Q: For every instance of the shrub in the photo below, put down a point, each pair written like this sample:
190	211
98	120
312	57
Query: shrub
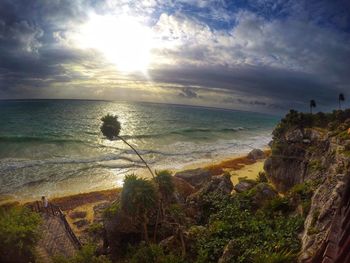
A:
96	229
165	184
279	204
262	177
150	254
111	211
276	257
304	191
84	255
19	233
316	166
253	232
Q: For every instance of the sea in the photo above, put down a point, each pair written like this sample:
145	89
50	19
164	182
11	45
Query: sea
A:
55	147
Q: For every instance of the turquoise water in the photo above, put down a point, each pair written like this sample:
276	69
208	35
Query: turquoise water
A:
54	147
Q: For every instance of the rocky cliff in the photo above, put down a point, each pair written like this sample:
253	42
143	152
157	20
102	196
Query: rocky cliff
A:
313	150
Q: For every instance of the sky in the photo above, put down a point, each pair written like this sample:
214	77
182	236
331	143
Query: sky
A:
255	55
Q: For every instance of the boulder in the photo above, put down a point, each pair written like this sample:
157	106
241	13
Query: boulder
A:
195	177
263	192
220	184
182	189
244	185
295	135
256	154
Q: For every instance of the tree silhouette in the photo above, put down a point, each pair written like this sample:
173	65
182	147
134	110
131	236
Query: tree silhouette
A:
111	128
312	105
138	197
340	99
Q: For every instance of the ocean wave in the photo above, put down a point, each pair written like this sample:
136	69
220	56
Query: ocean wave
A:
18	139
184	132
7	165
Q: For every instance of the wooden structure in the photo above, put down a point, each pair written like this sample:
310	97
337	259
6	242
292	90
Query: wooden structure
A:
54	211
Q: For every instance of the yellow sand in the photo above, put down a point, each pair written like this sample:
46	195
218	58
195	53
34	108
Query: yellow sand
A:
249	171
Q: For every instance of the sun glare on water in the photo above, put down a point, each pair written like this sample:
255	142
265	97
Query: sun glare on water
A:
123	41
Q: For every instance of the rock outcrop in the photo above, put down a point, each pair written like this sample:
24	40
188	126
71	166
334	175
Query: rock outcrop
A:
256	154
195	177
317	156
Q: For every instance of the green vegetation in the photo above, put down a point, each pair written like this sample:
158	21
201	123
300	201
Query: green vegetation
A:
316	166
262	177
333	121
165	184
111	211
252	232
276	257
86	255
19	233
138	198
150	254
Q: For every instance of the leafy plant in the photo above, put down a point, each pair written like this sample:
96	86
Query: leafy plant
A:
253	232
150	254
19	233
85	255
138	197
111	211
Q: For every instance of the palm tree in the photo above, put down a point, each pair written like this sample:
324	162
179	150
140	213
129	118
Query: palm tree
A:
111	128
340	99
138	197
166	190
312	105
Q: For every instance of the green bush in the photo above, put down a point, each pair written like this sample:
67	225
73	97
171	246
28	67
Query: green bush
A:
276	257
253	232
151	254
304	191
277	204
262	177
84	255
316	166
111	211
19	233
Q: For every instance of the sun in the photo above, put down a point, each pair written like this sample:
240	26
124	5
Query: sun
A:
123	40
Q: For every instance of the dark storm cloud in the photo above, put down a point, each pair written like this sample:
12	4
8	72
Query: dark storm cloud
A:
262	53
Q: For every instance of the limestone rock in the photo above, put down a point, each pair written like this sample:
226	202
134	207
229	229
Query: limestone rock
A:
182	189
195	177
263	192
256	154
244	185
294	135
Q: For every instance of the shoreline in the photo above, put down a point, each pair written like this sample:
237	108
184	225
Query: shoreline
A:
238	166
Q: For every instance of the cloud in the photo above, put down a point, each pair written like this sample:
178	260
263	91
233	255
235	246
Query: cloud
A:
260	54
188	93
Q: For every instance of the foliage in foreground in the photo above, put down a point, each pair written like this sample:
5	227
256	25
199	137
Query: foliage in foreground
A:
251	233
85	255
19	232
150	254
